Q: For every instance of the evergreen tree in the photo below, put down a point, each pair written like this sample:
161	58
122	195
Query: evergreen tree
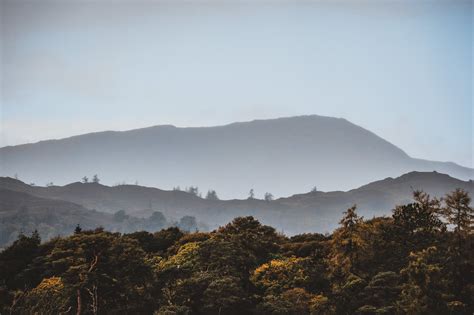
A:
268	196
194	190
423	291
78	229
347	243
458	212
251	194
212	195
95	179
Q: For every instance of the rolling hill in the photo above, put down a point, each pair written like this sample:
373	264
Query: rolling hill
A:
282	156
23	213
315	211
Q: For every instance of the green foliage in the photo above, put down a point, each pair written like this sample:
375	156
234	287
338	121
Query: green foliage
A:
16	258
314	246
49	297
347	244
260	240
281	274
423	291
164	239
225	295
414	218
409	263
458	211
381	294
294	301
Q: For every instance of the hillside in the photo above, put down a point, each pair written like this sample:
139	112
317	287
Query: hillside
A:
316	211
24	213
245	267
283	156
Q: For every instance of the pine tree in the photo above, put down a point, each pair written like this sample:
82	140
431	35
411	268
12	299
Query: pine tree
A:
78	229
458	212
423	291
212	195
268	196
95	179
251	194
346	244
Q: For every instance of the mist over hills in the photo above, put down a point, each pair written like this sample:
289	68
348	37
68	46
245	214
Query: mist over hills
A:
283	156
309	212
23	210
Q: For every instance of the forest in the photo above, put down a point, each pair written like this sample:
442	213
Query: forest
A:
419	260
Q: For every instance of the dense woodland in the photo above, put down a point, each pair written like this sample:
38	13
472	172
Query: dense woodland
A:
417	261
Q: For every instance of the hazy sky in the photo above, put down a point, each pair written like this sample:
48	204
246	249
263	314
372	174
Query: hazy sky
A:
402	69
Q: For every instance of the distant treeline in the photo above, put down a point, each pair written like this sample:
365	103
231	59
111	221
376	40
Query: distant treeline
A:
49	224
418	261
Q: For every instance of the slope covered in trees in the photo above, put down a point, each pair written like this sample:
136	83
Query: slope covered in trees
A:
417	261
21	212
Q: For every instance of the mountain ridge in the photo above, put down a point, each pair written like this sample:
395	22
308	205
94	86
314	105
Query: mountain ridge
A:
283	156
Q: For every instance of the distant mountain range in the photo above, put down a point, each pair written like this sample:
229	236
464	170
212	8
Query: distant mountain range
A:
282	156
310	212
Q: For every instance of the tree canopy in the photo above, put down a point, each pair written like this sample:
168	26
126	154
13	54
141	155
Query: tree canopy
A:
417	261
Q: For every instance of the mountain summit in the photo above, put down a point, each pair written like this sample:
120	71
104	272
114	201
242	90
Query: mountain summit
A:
282	156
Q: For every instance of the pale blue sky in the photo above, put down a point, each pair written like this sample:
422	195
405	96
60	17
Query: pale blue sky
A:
402	69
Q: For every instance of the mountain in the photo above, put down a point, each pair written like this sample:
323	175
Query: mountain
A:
283	156
310	212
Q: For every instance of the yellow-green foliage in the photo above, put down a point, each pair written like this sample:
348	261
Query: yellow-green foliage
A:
49	285
409	263
48	297
185	258
281	274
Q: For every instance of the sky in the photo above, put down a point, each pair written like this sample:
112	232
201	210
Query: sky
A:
402	69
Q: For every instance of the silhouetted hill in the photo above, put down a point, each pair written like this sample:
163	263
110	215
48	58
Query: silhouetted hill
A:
283	156
309	212
132	198
22	212
379	198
